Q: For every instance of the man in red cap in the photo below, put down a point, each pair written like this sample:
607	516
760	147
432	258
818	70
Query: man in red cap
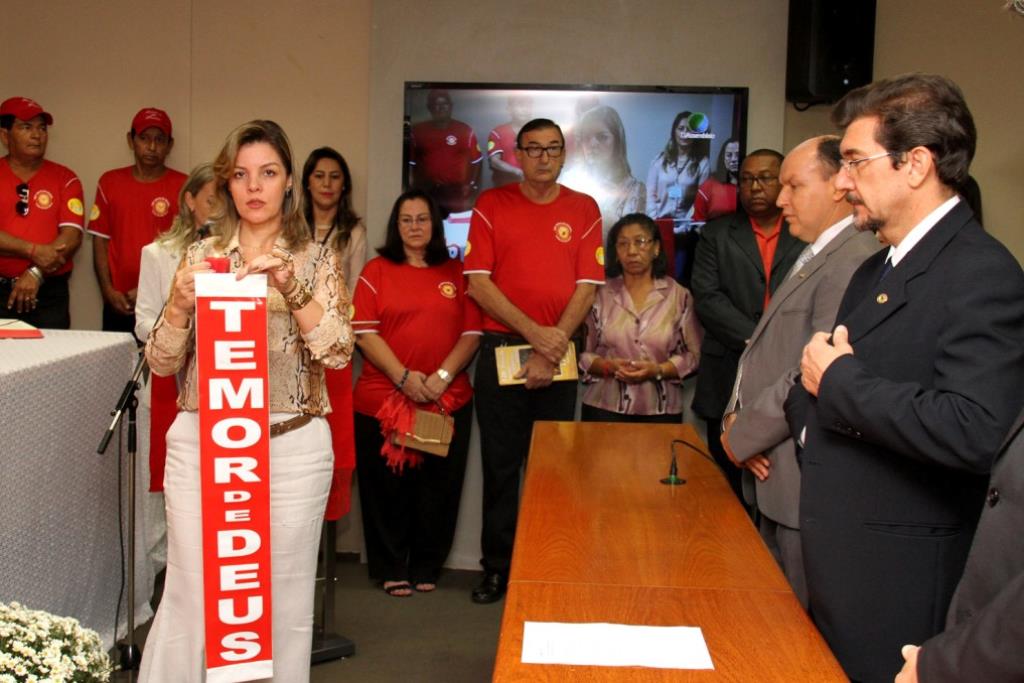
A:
133	205
446	158
41	220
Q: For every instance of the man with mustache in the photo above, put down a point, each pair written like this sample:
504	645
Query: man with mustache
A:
133	205
903	407
40	220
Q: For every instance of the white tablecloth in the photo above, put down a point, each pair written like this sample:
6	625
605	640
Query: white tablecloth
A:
59	548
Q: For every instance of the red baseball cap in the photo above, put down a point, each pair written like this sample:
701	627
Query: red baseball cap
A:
25	109
151	117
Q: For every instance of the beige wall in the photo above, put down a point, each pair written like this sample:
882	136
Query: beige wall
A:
211	65
332	73
981	47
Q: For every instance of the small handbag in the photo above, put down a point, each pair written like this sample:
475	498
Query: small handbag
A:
431	433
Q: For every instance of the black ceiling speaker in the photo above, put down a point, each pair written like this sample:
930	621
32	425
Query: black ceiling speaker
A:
831	49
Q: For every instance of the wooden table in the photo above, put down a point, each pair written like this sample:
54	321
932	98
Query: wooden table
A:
599	539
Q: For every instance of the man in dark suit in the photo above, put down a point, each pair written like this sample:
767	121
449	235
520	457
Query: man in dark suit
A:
907	402
984	627
740	261
756	435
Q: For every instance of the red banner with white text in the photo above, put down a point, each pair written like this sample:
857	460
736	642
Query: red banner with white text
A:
234	454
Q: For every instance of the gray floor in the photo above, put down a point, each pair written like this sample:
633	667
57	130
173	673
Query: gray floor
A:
439	636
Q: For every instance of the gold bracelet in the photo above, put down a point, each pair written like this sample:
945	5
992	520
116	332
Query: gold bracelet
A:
298	297
291	290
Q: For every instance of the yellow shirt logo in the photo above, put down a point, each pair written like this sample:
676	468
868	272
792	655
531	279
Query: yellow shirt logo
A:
75	206
94	213
466	253
160	207
44	200
563	232
448	289
599	256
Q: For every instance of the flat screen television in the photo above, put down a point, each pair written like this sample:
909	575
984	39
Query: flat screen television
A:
633	148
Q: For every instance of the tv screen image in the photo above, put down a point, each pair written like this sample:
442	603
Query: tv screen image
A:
671	152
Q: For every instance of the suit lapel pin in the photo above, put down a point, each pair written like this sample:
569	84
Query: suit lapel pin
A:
882	298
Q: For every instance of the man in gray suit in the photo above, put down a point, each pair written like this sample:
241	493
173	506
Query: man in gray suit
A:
757	436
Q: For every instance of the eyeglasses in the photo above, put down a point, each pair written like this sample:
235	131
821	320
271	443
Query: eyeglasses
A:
765	179
535	151
406	221
851	166
22	206
639	243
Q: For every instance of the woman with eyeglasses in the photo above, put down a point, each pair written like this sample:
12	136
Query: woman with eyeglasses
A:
258	228
604	171
335	226
643	337
417	331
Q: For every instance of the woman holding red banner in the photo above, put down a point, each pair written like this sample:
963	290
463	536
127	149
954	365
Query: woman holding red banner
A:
327	195
259	228
418	331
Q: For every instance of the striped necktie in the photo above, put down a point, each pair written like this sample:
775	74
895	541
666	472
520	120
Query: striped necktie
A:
806	255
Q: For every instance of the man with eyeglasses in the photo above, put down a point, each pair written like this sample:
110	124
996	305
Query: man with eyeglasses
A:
446	159
756	435
133	205
41	220
534	260
741	259
903	405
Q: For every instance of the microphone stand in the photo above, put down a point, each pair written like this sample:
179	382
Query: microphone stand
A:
128	403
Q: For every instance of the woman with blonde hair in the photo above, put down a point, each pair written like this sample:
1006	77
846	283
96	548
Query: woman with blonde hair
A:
160	260
604	171
161	257
259	228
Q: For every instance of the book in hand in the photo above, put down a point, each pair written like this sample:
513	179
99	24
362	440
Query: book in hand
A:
510	360
11	328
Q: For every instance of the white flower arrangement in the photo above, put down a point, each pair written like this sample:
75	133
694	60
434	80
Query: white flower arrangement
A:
38	647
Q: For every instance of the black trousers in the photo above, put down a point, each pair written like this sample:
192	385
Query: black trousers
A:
113	321
52	309
409	518
506	416
594	414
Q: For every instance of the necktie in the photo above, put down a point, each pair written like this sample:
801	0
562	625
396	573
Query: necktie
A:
806	255
885	269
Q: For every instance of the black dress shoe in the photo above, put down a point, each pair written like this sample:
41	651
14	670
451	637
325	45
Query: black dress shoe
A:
491	589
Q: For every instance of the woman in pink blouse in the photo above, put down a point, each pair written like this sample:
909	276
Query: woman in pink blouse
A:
643	337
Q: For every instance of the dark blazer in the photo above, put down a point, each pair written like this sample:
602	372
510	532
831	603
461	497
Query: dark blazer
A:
985	625
728	292
901	438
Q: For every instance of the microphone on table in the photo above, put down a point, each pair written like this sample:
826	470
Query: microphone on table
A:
673	478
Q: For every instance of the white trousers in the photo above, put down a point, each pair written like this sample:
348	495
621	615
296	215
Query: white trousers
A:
301	462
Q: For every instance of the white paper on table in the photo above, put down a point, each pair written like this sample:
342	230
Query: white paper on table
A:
662	647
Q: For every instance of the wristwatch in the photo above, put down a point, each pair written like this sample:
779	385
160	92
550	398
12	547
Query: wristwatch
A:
445	375
660	376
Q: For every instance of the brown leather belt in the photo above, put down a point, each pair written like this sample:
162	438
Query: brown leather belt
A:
279	428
